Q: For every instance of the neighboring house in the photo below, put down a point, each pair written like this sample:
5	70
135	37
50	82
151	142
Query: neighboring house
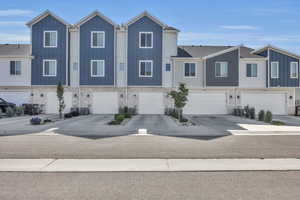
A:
15	76
105	66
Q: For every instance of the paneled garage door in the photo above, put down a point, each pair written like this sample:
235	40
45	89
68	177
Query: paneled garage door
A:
105	103
17	98
52	102
206	103
275	102
151	103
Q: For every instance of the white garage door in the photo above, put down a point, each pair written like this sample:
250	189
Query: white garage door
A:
105	103
206	103
151	103
52	102
17	98
275	102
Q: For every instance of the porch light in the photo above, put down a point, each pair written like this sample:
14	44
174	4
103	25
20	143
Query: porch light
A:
291	97
42	95
88	95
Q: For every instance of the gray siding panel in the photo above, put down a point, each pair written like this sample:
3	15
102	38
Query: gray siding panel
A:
87	53
40	53
232	58
284	79
135	53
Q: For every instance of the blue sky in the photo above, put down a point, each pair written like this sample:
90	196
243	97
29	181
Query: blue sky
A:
215	22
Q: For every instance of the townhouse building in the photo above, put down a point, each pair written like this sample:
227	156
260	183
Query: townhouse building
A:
105	66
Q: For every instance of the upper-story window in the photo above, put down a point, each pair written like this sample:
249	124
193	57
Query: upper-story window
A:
146	40
98	39
190	69
274	69
294	69
146	68
168	67
49	67
221	69
97	68
50	39
251	70
15	67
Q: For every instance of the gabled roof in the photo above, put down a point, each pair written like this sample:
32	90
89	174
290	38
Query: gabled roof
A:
200	51
93	14
146	14
15	50
245	52
45	14
222	52
276	49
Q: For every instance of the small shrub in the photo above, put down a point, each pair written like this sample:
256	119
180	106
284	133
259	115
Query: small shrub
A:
35	121
252	113
268	117
10	112
247	111
126	115
119	117
125	110
132	111
261	115
184	120
19	111
114	122
68	115
235	112
277	123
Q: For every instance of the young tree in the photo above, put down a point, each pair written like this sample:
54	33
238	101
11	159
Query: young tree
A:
180	98
60	97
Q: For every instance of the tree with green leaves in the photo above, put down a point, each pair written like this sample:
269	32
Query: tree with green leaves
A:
60	97
180	98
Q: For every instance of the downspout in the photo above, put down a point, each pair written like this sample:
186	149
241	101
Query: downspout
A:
126	65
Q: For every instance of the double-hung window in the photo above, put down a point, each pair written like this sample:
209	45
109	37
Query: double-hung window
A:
221	69
15	67
251	70
190	69
98	39
146	68
97	68
274	69
146	40
294	70
50	39
49	67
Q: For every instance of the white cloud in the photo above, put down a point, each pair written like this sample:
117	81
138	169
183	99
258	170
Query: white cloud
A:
269	11
15	12
12	23
14	38
239	27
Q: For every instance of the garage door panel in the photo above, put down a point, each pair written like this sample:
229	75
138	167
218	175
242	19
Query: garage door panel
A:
151	103
52	102
105	103
275	102
206	103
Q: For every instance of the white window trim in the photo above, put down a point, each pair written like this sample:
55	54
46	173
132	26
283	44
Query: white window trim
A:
251	70
296	70
15	68
140	61
195	70
45	39
92	46
276	69
45	60
140	40
92	68
220	65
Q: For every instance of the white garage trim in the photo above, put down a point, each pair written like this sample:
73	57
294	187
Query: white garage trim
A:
17	98
276	102
206	103
52	102
105	103
151	103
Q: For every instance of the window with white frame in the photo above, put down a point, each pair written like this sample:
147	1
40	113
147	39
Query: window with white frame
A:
294	69
15	67
274	69
97	68
251	70
146	68
221	69
50	39
190	69
98	39
146	39
49	67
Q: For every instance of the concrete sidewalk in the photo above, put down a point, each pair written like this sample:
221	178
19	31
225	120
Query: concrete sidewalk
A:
143	165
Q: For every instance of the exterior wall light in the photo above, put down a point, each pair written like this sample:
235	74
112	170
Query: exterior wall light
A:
88	95
238	96
75	95
291	97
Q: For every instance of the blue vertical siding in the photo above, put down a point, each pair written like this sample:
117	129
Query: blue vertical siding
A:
40	53
284	79
135	53
87	53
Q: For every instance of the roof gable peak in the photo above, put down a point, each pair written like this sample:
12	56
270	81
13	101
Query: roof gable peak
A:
43	15
92	15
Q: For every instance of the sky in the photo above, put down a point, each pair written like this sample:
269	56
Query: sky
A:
254	23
